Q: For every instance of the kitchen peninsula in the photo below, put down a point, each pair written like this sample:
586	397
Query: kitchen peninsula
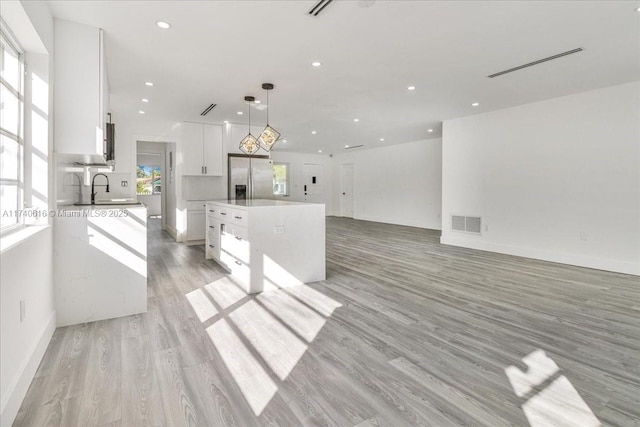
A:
267	244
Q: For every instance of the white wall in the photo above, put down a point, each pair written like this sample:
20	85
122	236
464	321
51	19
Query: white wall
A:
26	268
398	184
557	180
296	163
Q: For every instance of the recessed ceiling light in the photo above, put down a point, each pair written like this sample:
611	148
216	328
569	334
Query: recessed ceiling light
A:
637	9
411	88
240	113
316	63
284	140
430	130
148	83
319	151
140	112
475	104
226	122
163	25
144	100
356	120
256	101
346	146
381	139
313	132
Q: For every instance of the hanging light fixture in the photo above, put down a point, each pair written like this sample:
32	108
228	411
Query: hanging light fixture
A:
269	135
249	143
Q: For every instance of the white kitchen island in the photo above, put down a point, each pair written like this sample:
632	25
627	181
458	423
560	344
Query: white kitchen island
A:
267	244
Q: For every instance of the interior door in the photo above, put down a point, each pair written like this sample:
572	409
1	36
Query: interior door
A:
346	190
313	183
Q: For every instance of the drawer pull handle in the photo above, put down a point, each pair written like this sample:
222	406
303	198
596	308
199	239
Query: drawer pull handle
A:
238	238
211	210
211	226
238	262
211	246
237	217
223	213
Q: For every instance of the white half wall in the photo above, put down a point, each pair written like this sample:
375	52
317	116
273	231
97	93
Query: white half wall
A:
399	184
557	180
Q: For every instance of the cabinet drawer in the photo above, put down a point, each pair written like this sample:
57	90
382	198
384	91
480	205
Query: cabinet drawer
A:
223	213
196	206
240	217
212	211
241	272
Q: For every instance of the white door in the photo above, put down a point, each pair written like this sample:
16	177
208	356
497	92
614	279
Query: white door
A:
313	183
346	190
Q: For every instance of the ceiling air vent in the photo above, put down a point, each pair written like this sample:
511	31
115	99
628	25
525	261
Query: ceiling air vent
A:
209	108
319	7
539	61
468	224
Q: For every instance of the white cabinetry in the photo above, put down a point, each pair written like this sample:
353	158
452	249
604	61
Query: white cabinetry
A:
202	145
195	221
267	244
81	89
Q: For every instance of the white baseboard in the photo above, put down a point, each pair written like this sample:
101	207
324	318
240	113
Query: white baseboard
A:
616	266
18	389
172	232
417	224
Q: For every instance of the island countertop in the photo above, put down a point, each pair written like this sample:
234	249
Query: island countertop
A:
257	203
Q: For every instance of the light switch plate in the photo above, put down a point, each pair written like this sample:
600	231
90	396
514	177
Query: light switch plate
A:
278	229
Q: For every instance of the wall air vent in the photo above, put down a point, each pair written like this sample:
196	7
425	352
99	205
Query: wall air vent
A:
319	7
209	108
468	224
539	61
351	147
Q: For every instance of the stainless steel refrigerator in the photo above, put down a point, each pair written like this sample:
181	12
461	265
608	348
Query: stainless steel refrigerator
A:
250	177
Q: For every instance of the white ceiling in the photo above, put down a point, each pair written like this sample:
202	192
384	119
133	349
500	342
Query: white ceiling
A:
220	51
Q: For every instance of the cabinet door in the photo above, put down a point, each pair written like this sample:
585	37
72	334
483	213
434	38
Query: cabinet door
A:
78	118
192	134
213	150
195	225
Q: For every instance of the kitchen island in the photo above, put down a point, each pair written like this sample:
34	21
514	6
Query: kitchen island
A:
267	244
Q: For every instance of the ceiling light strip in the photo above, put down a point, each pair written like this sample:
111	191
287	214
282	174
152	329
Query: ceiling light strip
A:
206	110
319	7
560	55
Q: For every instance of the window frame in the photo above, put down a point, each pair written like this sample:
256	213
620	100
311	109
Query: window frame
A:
288	179
8	39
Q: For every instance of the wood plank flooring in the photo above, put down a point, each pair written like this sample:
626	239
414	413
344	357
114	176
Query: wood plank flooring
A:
404	332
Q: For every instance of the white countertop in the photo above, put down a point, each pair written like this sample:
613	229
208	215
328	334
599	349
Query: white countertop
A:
259	203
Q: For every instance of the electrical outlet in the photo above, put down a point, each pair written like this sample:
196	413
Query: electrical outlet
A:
278	229
584	236
486	227
23	310
124	183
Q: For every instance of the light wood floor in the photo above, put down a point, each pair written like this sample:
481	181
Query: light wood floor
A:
404	332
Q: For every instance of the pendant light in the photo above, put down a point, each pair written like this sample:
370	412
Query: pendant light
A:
269	135
249	145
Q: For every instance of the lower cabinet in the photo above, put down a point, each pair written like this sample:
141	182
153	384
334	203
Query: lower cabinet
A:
196	221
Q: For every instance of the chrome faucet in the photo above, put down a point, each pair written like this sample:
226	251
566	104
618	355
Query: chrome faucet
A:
93	185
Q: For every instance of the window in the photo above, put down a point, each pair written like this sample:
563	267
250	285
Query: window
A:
149	180
11	142
281	179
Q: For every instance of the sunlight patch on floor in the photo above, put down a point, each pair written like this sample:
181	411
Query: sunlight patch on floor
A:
549	399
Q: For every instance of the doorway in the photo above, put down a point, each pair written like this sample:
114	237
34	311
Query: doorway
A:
346	190
313	183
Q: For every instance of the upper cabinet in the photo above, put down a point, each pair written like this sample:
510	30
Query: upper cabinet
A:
81	89
202	146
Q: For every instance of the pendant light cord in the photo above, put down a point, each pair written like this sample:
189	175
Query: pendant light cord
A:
267	107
